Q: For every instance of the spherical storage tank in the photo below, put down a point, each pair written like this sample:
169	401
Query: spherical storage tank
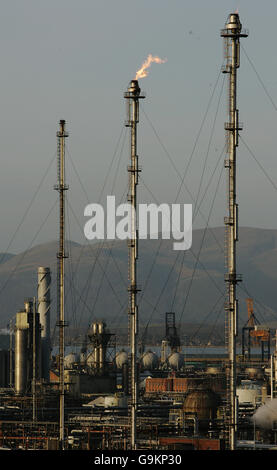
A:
149	360
204	402
176	360
121	358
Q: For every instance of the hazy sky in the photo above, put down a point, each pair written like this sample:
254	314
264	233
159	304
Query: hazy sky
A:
73	60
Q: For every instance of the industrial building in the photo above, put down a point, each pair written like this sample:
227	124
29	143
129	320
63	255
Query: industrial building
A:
181	402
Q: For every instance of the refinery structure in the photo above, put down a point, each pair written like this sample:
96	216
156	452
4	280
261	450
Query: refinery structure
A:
132	398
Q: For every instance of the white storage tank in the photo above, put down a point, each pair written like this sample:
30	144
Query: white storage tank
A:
249	392
149	360
115	401
121	358
176	360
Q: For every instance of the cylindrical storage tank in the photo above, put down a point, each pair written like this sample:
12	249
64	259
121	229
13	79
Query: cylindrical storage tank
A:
20	375
43	308
95	328
121	358
249	392
96	357
93	358
176	360
202	402
101	357
149	360
100	327
28	304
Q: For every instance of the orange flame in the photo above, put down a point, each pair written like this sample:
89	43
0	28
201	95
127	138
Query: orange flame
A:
142	72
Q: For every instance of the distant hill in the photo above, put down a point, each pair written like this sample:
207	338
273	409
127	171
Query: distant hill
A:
5	257
96	280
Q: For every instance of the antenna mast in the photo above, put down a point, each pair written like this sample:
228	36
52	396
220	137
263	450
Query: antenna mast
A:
61	187
232	34
133	95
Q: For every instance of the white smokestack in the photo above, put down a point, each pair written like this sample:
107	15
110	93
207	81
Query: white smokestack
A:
44	281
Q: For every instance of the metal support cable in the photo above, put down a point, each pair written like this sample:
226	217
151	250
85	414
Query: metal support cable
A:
157	252
28	207
187	189
173	266
195	214
103	186
191	250
259	78
258	163
70	268
207	316
195	142
28	248
202	242
213	326
210	141
100	246
98	261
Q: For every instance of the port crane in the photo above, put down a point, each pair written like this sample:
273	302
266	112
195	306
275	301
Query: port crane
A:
254	334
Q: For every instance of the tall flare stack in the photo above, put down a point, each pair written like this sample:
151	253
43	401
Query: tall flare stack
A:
133	96
232	34
61	187
44	281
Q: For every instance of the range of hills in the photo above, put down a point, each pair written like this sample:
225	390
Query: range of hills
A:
190	283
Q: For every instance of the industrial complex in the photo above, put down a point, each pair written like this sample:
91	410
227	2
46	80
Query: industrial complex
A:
130	398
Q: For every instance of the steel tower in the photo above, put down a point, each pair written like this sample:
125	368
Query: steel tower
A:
61	187
232	34
133	96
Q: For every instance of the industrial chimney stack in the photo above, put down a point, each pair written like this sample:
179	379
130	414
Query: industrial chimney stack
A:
44	281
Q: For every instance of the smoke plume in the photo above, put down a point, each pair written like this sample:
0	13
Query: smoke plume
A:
266	414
